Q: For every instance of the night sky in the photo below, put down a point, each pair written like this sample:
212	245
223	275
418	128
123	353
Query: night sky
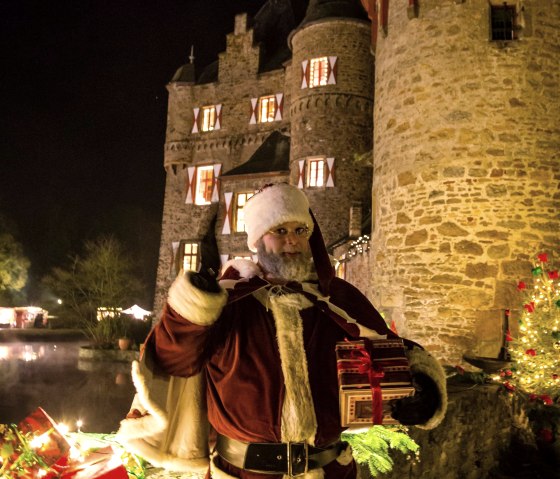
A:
82	116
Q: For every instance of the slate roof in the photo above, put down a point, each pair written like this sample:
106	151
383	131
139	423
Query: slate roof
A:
272	156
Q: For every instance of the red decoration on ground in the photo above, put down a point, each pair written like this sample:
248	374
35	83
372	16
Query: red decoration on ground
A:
531	352
542	257
521	286
553	274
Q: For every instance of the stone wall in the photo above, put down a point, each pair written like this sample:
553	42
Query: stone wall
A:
230	146
481	426
334	120
466	176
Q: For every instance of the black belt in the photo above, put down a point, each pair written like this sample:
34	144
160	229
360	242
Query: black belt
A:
292	458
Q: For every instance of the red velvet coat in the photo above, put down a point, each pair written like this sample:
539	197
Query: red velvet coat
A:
239	352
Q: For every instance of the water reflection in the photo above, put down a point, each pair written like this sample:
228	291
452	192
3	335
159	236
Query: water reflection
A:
50	375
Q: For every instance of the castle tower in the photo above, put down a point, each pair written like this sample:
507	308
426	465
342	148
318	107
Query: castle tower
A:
466	164
331	111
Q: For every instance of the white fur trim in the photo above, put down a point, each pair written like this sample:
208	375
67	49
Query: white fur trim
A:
158	458
155	419
245	267
273	206
217	473
298	413
421	361
177	440
199	307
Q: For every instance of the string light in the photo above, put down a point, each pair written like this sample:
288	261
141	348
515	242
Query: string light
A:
536	362
358	246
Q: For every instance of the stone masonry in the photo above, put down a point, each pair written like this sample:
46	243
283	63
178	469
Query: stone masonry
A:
466	169
333	120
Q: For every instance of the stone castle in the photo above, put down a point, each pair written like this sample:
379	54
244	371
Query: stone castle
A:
426	135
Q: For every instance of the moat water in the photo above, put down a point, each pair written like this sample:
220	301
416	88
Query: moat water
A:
51	375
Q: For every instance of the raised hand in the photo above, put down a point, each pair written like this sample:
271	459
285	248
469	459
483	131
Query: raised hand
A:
210	263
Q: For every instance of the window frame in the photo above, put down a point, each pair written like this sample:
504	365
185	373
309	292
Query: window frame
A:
504	21
208	122
237	210
204	198
311	177
270	116
181	254
322	77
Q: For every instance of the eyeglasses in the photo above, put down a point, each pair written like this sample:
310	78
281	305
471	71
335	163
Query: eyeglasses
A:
282	232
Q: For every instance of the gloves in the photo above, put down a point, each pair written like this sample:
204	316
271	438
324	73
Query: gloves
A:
420	407
210	262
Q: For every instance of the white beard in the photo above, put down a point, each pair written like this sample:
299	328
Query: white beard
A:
298	269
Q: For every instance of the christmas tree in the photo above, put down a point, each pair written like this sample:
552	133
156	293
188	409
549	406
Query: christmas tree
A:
536	351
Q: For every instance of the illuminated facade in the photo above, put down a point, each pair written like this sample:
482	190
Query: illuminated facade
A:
452	174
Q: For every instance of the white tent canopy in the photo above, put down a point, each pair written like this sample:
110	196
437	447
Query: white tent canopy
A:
137	312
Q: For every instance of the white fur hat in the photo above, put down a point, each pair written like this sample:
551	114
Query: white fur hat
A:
272	206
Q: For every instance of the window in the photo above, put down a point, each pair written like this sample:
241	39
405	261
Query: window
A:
504	22
188	256
204	185
267	108
241	199
318	72
341	269
315	172
208	118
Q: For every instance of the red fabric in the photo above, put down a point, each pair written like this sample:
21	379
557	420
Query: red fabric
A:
240	355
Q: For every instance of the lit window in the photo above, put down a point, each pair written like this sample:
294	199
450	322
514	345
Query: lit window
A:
241	199
318	72
189	257
341	270
315	172
204	185
504	22
267	108
208	118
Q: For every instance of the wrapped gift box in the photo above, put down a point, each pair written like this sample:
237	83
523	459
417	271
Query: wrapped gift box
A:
387	360
56	460
55	447
101	463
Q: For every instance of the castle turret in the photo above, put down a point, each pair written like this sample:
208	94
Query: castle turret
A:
466	162
330	110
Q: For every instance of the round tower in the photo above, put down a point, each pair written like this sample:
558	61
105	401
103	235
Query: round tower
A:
331	111
466	165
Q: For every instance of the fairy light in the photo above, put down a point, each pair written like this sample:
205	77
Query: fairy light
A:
358	246
535	353
37	442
